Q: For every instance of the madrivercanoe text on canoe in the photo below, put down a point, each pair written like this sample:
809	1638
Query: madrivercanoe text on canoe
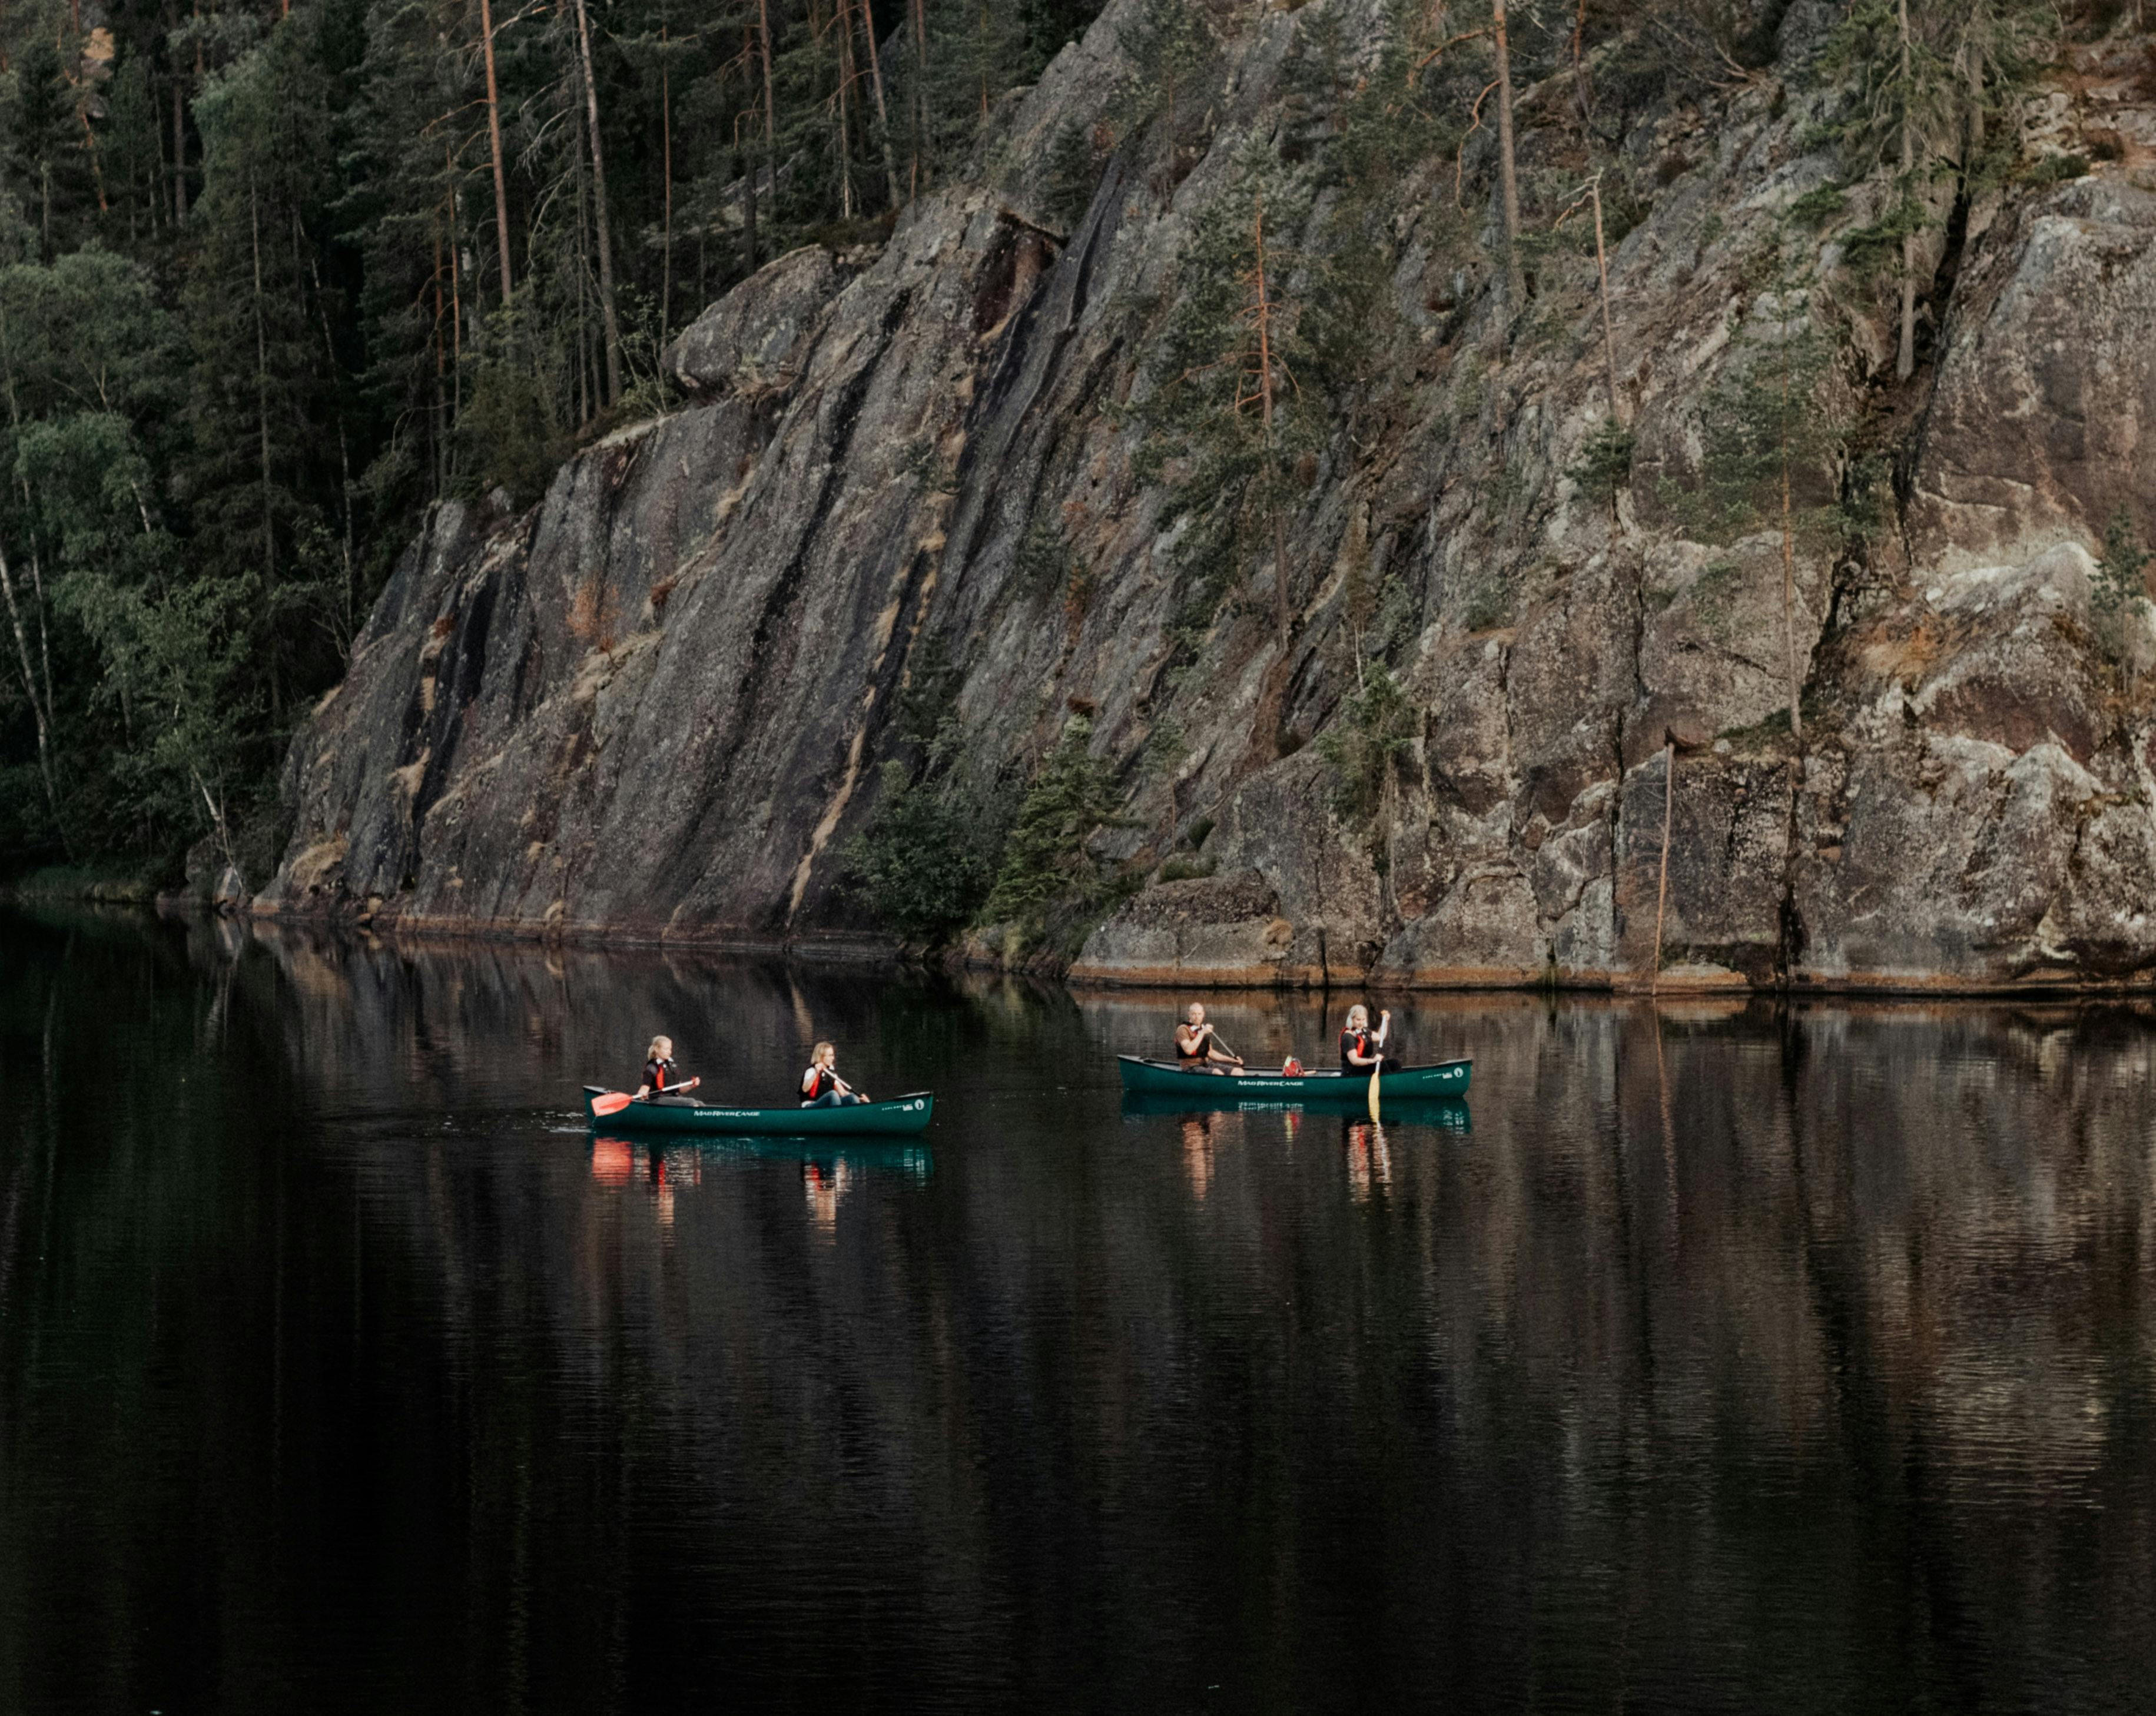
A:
1164	1077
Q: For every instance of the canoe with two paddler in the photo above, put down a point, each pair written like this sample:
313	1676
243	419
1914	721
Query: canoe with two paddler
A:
899	1116
1166	1079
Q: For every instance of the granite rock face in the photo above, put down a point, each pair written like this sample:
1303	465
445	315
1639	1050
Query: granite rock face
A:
659	703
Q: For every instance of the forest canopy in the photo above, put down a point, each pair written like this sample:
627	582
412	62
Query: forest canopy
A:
277	274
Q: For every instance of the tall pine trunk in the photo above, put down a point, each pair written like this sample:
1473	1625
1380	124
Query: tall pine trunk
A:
666	179
843	19
770	99
262	420
40	711
604	229
1264	308
1789	559
1508	177
1608	339
1904	361
493	142
921	136
883	113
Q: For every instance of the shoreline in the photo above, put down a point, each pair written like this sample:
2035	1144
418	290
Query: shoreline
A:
1680	985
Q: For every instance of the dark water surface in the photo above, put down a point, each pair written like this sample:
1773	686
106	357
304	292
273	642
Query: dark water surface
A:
1732	1360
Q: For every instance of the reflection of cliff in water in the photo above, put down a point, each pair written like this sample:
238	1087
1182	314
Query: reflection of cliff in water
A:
1831	1330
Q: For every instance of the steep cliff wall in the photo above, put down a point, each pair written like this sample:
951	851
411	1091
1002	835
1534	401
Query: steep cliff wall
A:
657	702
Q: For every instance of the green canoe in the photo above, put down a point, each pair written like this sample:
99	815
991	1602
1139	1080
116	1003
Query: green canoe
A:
1165	1078
902	1117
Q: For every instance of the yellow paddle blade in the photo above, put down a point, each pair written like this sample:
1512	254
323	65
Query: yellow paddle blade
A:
1374	1072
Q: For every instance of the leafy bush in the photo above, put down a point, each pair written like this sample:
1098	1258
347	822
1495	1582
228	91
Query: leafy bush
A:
2119	581
2056	169
1604	464
509	434
1380	726
924	861
1045	864
1073	173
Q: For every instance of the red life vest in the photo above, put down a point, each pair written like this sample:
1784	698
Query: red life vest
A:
816	1083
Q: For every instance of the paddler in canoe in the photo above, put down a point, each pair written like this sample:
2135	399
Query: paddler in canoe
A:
1198	1046
661	1081
821	1086
1362	1050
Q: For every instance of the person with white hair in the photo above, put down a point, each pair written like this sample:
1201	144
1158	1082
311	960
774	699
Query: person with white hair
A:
1362	1050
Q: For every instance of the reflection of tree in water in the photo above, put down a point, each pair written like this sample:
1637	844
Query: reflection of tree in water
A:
1883	1409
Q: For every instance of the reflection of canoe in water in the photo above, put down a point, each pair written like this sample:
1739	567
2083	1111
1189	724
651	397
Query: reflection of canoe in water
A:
1311	1090
615	1155
902	1117
1448	1113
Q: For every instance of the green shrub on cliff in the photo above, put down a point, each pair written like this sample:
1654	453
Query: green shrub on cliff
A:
1046	870
2119	582
1380	726
924	861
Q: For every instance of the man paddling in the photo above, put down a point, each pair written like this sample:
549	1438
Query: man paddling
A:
1198	1047
1362	1050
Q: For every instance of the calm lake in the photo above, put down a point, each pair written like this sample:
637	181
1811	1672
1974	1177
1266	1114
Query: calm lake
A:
1729	1359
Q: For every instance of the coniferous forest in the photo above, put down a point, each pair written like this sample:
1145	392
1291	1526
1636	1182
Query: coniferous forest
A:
275	275
278	275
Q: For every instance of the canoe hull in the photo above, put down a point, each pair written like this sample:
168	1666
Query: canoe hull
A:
902	1117
1326	1089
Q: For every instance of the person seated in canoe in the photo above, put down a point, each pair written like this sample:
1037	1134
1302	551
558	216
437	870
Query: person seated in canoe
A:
660	1077
1362	1050
1198	1047
821	1086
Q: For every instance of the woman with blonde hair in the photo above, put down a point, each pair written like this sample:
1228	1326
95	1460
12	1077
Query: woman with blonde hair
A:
659	1074
821	1086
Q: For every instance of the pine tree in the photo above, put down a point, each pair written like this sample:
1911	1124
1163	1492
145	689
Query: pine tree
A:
1229	415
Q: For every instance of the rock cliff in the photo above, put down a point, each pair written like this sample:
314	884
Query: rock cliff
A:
658	702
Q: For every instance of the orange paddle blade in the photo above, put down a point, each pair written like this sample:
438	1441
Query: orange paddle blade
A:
613	1102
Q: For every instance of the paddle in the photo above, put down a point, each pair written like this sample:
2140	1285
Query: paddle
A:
1380	1067
1223	1047
614	1101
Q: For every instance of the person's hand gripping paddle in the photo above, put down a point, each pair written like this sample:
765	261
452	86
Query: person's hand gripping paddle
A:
614	1101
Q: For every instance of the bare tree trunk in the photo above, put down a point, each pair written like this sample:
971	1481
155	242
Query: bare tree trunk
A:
1904	361
262	419
607	313
441	365
39	711
1662	888
456	301
667	172
1608	339
1789	565
843	19
493	142
883	113
1508	178
920	182
1266	395
179	130
770	99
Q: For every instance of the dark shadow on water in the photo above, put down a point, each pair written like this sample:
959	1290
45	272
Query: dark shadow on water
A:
1736	1357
